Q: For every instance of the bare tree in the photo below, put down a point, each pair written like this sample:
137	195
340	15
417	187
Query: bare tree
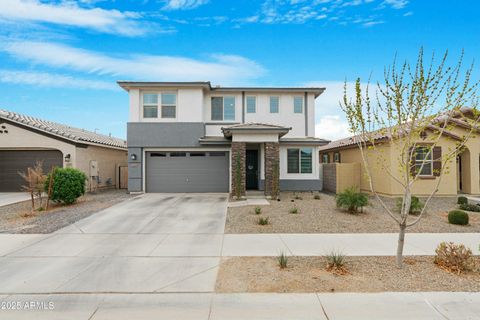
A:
35	181
412	111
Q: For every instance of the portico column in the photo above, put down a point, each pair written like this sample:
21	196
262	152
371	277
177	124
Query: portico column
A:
272	169
238	168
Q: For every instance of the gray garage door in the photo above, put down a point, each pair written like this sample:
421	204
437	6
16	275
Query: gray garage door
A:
13	161
187	171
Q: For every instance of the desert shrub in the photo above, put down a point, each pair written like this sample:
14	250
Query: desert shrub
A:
458	217
462	200
416	205
282	260
258	210
316	197
454	257
263	221
68	184
294	210
351	200
336	263
470	207
297	197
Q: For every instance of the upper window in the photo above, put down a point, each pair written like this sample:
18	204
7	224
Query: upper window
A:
336	157
298	104
150	105
325	158
168	104
423	155
274	102
251	104
299	160
223	108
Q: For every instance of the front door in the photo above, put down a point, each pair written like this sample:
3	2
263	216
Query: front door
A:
252	169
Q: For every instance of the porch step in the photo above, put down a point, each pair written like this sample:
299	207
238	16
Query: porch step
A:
255	194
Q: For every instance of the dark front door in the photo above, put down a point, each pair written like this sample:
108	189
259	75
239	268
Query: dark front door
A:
252	169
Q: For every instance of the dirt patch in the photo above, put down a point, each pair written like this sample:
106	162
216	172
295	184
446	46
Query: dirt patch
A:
16	218
322	216
366	274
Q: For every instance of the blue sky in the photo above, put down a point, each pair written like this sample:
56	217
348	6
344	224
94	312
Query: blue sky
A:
60	59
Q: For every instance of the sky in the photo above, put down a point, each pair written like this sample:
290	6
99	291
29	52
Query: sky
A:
60	60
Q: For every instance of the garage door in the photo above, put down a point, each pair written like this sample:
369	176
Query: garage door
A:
187	171
11	162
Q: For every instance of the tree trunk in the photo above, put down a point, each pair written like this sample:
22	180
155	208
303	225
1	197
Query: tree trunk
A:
401	242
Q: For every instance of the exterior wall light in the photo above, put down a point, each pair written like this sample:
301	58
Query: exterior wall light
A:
133	156
67	157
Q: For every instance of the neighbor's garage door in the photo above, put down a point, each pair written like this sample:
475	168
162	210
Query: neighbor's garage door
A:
187	171
13	161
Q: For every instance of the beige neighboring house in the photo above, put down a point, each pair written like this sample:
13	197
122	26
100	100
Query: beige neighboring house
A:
342	164
24	140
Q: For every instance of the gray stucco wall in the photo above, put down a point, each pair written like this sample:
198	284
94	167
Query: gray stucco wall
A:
296	185
135	170
154	134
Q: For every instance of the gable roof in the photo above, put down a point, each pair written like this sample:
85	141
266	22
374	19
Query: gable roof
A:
65	132
384	135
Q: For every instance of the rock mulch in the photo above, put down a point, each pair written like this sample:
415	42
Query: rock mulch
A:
16	218
322	216
366	274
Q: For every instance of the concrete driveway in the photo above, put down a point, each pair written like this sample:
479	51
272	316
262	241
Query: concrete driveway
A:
7	198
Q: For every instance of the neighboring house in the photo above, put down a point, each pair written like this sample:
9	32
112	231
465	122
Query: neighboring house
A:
25	140
462	175
192	137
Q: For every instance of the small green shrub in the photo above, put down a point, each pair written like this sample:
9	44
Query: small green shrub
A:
462	200
263	221
68	184
470	207
454	257
316	197
258	210
351	200
293	210
458	217
297	197
416	205
336	263
282	260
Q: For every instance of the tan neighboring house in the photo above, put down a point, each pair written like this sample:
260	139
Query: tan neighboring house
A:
342	164
24	140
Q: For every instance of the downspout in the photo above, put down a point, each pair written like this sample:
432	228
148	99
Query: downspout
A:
243	106
306	114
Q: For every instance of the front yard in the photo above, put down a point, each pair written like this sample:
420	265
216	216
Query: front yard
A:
322	216
366	274
17	217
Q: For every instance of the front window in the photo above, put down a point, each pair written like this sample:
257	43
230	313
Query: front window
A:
223	108
169	105
299	160
325	158
150	105
336	157
423	155
251	104
297	104
274	102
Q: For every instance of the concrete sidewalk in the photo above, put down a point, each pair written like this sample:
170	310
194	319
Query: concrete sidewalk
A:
7	198
208	306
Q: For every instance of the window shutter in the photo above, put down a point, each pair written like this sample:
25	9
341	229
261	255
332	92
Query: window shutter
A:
437	160
413	168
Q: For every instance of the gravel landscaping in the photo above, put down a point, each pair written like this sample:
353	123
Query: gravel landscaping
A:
366	274
322	216
15	218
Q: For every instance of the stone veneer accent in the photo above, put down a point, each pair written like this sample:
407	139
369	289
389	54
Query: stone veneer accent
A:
272	164
238	148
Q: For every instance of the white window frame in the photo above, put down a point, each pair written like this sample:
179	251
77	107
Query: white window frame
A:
303	104
270	104
159	105
168	105
148	105
223	107
428	162
300	160
255	104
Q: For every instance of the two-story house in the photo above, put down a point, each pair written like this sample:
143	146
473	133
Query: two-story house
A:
192	137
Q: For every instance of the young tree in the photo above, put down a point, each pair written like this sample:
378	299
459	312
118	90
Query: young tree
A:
35	180
412	110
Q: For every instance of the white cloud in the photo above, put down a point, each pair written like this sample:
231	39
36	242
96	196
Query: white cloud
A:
43	79
71	14
396	4
218	67
331	127
183	4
